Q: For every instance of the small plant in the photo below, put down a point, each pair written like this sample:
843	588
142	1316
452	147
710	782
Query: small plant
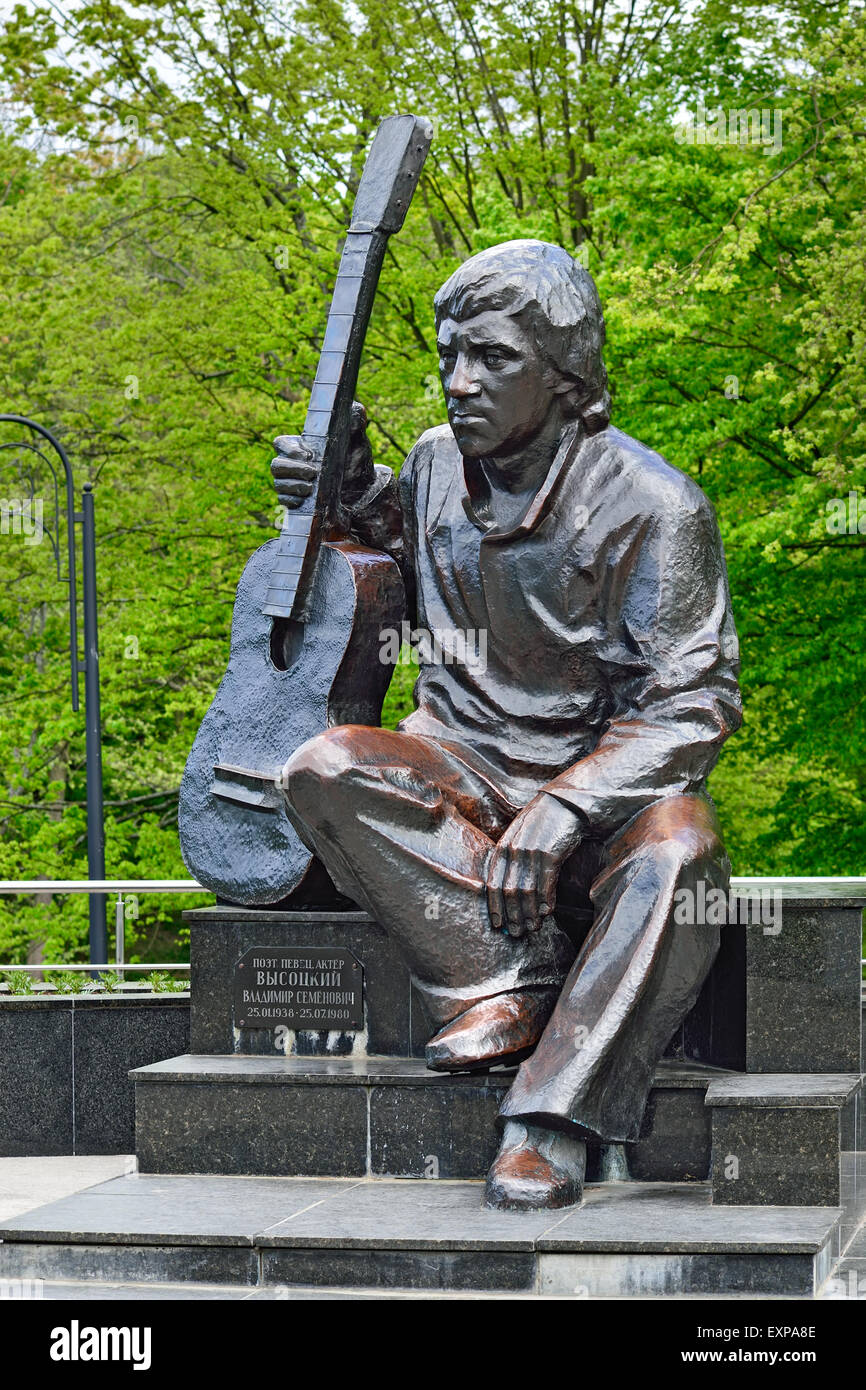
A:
109	982
68	983
19	982
159	982
180	984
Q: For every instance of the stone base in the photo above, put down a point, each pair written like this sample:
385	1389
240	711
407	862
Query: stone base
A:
395	1025
389	1117
627	1239
790	1140
395	1022
803	977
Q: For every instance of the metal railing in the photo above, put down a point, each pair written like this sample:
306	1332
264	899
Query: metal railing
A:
191	885
120	886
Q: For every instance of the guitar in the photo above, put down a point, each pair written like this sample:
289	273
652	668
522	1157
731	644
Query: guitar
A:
310	606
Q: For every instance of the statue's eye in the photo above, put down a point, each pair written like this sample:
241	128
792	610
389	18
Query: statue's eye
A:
494	360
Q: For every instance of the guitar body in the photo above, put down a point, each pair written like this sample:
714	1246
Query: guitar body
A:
286	681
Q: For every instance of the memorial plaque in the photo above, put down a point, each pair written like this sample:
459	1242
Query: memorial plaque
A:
304	988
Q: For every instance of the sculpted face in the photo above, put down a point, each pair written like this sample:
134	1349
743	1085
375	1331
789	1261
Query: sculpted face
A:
498	390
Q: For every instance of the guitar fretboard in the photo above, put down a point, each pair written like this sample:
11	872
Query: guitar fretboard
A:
326	425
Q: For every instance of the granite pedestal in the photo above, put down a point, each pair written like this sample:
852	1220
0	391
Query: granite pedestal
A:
803	982
294	1139
273	1100
65	1083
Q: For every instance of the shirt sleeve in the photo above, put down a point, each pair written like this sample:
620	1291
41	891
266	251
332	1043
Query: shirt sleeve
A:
375	518
674	681
383	518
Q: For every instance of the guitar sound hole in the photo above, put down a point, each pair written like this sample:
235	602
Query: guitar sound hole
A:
287	639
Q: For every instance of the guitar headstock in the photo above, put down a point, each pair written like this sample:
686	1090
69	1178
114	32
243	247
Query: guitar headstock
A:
391	174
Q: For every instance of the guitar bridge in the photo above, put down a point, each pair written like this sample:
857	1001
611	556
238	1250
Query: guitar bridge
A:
259	791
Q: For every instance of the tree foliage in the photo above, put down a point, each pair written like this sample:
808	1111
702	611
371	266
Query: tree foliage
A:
175	179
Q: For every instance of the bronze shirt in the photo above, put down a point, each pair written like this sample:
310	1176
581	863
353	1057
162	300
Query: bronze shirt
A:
590	649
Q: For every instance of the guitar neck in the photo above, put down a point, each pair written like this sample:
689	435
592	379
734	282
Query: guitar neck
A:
389	179
326	428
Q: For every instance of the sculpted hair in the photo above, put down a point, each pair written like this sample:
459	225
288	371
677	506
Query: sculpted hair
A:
553	294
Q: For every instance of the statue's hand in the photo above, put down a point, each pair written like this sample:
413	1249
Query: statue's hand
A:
295	469
524	867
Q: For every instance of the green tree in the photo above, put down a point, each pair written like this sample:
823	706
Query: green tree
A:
174	184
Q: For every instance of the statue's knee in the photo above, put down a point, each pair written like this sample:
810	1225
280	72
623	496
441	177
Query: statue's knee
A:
313	771
307	771
680	833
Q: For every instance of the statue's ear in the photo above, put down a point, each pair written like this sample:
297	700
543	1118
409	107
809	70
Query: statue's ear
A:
559	382
571	392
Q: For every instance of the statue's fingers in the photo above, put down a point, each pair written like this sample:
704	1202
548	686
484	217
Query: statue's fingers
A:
547	881
528	891
294	487
511	892
495	880
292	444
283	467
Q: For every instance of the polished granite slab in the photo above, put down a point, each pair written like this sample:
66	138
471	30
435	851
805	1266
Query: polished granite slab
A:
814	892
640	1239
392	1213
789	1089
803	983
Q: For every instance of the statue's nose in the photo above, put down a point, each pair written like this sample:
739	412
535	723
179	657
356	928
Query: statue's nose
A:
462	382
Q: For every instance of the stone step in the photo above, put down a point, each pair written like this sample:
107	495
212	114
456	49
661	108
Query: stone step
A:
790	1140
375	1116
627	1239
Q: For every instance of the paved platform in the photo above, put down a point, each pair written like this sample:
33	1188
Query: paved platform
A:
26	1183
627	1239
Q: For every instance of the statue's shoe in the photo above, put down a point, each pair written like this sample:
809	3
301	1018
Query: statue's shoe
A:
504	1028
535	1169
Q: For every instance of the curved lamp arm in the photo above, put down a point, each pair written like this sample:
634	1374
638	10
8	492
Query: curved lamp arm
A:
70	539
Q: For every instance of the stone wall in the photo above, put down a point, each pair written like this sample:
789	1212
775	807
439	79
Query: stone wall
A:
64	1085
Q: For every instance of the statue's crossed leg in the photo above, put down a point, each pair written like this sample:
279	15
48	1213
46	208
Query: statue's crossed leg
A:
406	828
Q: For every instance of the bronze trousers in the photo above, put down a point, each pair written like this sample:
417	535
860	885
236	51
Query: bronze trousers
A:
405	828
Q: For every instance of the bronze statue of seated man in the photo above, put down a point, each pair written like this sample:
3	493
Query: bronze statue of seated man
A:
522	834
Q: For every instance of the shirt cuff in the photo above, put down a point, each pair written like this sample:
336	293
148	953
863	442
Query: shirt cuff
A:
369	499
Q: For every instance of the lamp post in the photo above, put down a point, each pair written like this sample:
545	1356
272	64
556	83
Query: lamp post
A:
89	667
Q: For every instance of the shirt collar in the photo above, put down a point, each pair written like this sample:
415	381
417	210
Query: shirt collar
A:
478	488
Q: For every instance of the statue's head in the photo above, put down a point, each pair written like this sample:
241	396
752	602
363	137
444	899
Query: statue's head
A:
520	333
